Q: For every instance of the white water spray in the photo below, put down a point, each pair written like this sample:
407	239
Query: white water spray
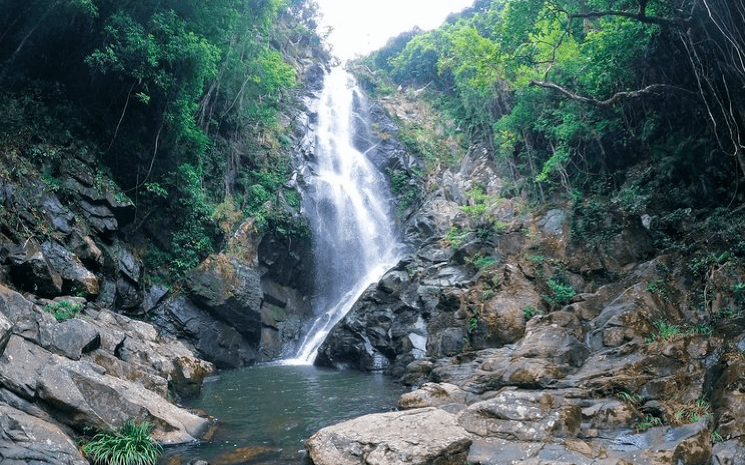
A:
348	205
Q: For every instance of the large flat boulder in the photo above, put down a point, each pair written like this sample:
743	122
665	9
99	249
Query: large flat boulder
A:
25	439
80	394
427	436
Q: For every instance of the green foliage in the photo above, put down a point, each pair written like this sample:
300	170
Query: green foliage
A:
727	312
531	311
64	310
550	86
738	291
473	323
456	237
485	262
649	421
129	445
668	332
630	398
405	187
692	412
179	96
665	331
561	293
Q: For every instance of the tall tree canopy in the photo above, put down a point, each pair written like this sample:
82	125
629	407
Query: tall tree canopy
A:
181	96
566	91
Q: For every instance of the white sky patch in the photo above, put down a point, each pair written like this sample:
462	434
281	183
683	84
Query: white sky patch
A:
361	26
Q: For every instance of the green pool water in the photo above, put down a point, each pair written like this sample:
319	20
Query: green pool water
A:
266	412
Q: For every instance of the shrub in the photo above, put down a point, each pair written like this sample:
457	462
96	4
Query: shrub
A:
129	445
561	294
665	331
531	311
64	309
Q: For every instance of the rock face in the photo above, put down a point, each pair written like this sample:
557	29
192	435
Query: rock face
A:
542	348
418	437
28	433
96	371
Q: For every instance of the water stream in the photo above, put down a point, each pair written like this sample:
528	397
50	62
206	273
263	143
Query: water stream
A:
267	412
348	205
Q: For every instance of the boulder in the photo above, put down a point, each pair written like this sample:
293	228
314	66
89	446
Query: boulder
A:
432	395
71	338
136	352
128	264
127	297
729	397
75	276
100	217
231	291
59	216
523	416
25	439
81	395
6	330
30	270
428	436
212	340
501	317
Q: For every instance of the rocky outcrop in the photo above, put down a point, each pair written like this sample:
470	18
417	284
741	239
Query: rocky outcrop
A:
92	371
545	348
28	433
418	437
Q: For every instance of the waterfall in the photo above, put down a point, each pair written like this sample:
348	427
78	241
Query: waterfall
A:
348	204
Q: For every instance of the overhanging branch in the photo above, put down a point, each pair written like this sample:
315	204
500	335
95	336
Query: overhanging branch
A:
617	97
641	17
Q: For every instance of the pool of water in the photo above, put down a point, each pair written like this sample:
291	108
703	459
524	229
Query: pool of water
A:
267	412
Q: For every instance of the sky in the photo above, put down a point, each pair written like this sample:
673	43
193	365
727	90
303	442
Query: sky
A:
361	26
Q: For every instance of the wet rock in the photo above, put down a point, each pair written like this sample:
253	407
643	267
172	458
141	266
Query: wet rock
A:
59	216
76	277
231	291
417	437
242	455
416	372
213	340
100	217
282	313
127	297
25	439
72	338
30	270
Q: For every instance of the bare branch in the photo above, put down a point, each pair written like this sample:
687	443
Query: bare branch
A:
638	16
617	97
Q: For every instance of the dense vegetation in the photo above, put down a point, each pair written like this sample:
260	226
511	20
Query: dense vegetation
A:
178	100
570	95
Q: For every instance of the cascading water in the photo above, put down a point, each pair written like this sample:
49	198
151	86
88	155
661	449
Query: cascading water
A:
348	205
